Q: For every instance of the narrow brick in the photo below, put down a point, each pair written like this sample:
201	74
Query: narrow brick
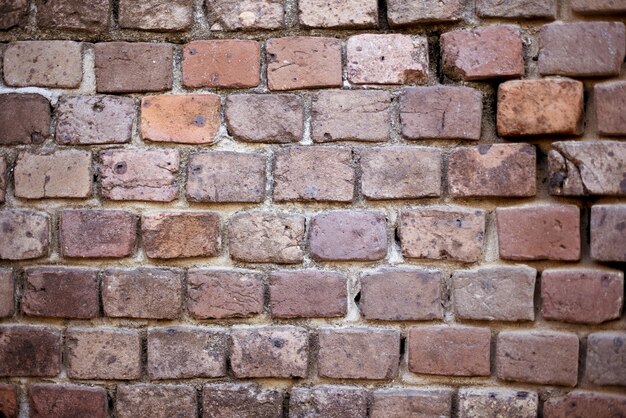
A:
54	400
13	13
156	401
608	232
497	402
7	293
156	15
585	404
598	6
3	178
338	14
606	358
609	98
25	234
403	13
8	399
246	15
29	351
24	119
227	400
406	402
524	9
73	14
328	401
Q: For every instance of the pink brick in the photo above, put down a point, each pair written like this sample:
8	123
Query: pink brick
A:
608	232
24	118
408	402
585	404
246	15
599	6
610	97
525	9
227	400
73	14
25	234
63	400
155	401
403	13
497	402
7	293
157	15
328	401
3	178
338	14
8	399
29	351
606	358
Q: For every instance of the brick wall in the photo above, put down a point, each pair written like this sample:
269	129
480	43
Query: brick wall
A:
327	209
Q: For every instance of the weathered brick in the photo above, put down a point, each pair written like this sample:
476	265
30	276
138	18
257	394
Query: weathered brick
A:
13	13
185	352
226	176
24	118
494	293
441	112
157	15
338	14
585	404
582	49
610	97
54	400
598	6
496	402
139	174
142	293
224	293
544	232
227	400
73	14
103	353
442	233
29	350
8	399
449	350
303	62
405	402
269	351
121	67
606	358
229	63
156	401
25	234
608	232
3	178
7	293
540	357
525	9
348	236
248	14
328	401
402	13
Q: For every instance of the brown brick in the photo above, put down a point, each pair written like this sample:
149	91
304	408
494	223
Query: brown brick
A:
608	232
269	351
13	13
525	9
139	174
249	14
328	401
90	16
8	399
3	178
338	14
228	63
540	357
449	350
303	62
497	402
24	234
545	232
156	401
582	49
402	13
585	404
599	6
224	293
103	353
29	350
142	293
24	119
157	15
226	176
7	294
63	292
54	400
606	358
610	97
227	400
121	67
307	293
110	233
406	402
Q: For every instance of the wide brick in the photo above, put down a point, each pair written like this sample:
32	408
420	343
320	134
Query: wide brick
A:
303	62
266	237
7	293
28	350
544	232
110	233
269	351
606	358
227	63
608	232
139	174
246	400
540	107
610	97
224	293
3	178
54	400
249	14
13	13
494	293
180	234
25	234
442	233
582	49
103	353
226	176
8	400
24	118
449	350
540	357
328	401
185	352
585	404
497	402
405	402
599	6
90	16
157	15
142	293
307	293
156	401
338	14
62	292
402	13
121	67
525	9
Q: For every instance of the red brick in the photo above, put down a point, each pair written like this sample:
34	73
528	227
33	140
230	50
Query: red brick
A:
406	402
110	233
525	9
545	232
24	119
54	400
606	358
540	357
307	293
585	404
328	401
228	63
7	293
28	350
496	402
3	178
142	293
303	62
73	14
13	13
156	401
25	234
449	350
157	15
599	6
227	400
610	97
608	232
8	401
246	15
338	14
402	13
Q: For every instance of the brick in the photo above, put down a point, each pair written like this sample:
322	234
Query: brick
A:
609	98
142	293
185	352
540	357
13	13
350	115
8	401
303	62
246	15
403	13
157	15
73	15
442	233
307	293
608	232
54	400
582	49
348	236
266	237
525	9
181	234
244	400
298	175
110	233
598	6
88	120
328	401
387	59
224	293
29	350
441	112
494	293
585	404
269	351
103	353
226	176
45	175
62	292
156	401
493	170
7	294
3	178
268	118
496	402
24	118
404	402
25	234
587	296
544	232
139	174
338	14
227	63
449	350
121	67
606	358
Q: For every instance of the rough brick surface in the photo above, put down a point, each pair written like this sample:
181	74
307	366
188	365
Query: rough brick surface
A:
228	400
402	13
245	15
154	401
598	6
608	232
156	15
73	14
606	358
7	293
25	234
3	178
24	119
13	13
328	401
495	402
50	400
28	350
585	404
338	14
527	9
403	403
8	401
609	98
